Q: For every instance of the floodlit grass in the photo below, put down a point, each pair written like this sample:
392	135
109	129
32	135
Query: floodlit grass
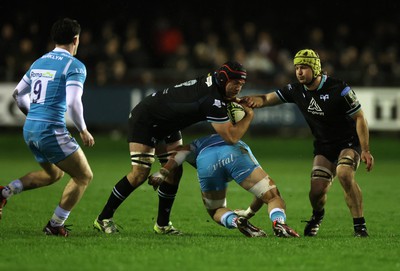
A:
205	245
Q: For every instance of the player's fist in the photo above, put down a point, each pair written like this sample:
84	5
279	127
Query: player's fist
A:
249	213
157	178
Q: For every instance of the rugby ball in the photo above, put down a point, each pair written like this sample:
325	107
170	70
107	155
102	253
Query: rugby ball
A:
235	112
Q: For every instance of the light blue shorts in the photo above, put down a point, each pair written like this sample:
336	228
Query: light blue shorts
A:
49	142
216	166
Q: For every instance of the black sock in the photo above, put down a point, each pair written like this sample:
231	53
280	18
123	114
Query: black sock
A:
359	222
319	214
119	193
166	197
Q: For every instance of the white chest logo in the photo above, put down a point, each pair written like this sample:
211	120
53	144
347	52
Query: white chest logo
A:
217	103
314	108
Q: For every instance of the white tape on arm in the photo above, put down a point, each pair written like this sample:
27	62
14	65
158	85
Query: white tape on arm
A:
180	156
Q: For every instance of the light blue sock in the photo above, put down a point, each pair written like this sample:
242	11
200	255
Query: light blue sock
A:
15	187
228	220
59	217
278	214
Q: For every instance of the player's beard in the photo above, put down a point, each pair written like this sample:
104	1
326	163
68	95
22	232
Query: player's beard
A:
307	84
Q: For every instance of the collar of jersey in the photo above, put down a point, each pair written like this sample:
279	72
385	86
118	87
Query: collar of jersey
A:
58	49
323	80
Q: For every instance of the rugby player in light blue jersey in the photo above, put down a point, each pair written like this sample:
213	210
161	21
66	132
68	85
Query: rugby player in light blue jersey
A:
218	163
51	87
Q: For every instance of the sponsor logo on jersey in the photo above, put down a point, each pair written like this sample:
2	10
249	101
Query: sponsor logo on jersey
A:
38	73
314	108
217	103
222	162
324	97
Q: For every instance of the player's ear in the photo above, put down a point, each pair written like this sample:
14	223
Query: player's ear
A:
75	41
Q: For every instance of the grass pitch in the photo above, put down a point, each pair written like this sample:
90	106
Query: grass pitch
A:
205	245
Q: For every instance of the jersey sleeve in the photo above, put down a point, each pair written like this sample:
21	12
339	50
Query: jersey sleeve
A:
215	110
285	94
76	74
75	80
350	100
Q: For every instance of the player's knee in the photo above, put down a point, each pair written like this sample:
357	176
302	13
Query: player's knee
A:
214	204
88	176
345	170
345	176
347	162
262	187
54	176
321	173
142	159
59	175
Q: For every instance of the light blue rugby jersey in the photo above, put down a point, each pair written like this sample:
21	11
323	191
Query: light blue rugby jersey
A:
200	144
48	77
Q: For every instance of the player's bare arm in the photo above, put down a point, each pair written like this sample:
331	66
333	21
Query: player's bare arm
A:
174	161
233	133
363	135
257	101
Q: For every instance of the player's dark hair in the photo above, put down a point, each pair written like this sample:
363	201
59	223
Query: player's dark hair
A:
230	70
64	30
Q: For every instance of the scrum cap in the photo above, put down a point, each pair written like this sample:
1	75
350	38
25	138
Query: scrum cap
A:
230	70
310	58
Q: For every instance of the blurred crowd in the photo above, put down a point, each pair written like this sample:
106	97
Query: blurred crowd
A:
129	51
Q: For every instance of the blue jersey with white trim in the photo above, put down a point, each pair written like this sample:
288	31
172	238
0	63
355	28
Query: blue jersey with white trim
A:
48	78
202	143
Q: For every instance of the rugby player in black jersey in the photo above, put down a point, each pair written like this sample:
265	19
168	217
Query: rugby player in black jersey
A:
154	131
340	130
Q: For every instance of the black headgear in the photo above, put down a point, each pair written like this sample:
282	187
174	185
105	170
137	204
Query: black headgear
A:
230	70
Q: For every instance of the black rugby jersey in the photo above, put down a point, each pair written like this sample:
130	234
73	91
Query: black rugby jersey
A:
182	105
327	110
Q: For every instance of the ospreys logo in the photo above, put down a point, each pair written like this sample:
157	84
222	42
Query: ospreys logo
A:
314	108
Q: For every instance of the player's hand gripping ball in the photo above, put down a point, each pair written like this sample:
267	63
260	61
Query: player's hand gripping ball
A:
235	112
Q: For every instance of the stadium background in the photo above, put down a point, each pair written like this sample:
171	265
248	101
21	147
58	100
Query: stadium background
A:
367	57
132	48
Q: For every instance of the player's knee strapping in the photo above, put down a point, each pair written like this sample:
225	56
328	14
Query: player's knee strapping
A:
321	173
212	204
348	161
142	159
262	187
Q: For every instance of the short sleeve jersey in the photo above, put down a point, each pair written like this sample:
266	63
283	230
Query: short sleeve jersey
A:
198	145
327	110
202	143
182	105
48	78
